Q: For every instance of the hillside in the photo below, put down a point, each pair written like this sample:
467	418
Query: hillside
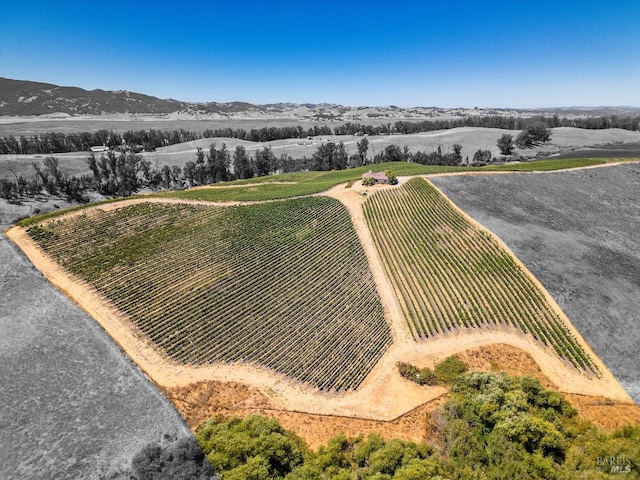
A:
33	98
239	270
231	300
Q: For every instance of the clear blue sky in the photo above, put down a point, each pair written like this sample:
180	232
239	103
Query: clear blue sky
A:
406	53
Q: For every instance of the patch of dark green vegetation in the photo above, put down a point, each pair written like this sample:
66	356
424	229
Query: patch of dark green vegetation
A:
446	372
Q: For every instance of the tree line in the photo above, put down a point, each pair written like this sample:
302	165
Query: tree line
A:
149	140
122	173
139	140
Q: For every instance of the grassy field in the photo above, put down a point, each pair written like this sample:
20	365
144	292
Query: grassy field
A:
451	276
297	184
283	285
548	165
307	183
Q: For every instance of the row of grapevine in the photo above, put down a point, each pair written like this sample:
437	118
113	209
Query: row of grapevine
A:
451	276
284	285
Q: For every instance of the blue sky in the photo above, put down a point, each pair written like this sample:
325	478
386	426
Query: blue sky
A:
406	53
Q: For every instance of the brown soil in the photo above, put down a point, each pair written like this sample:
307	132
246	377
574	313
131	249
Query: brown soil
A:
604	412
202	400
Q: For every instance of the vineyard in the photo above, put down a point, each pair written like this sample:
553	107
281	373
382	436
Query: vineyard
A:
451	276
284	285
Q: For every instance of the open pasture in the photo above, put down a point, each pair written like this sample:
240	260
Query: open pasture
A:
289	185
284	285
578	233
451	276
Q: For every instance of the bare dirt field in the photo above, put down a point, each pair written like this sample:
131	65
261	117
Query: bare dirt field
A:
578	232
72	405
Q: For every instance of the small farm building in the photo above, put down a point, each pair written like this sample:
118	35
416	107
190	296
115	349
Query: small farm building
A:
379	177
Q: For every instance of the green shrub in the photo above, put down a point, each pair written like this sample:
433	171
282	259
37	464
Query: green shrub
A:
446	372
449	370
250	448
183	459
422	376
368	182
393	180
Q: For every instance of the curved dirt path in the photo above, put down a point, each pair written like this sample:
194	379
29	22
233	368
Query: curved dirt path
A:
384	395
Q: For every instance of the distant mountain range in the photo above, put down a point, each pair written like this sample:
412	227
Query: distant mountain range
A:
26	98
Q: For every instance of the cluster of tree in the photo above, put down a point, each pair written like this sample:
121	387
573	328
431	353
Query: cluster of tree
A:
625	122
446	372
120	174
491	426
218	164
267	134
113	174
179	460
395	153
49	178
56	142
362	129
533	133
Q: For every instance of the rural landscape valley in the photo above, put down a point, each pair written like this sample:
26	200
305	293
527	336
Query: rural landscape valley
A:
316	291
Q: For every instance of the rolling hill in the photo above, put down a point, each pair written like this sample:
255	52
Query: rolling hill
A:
29	98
